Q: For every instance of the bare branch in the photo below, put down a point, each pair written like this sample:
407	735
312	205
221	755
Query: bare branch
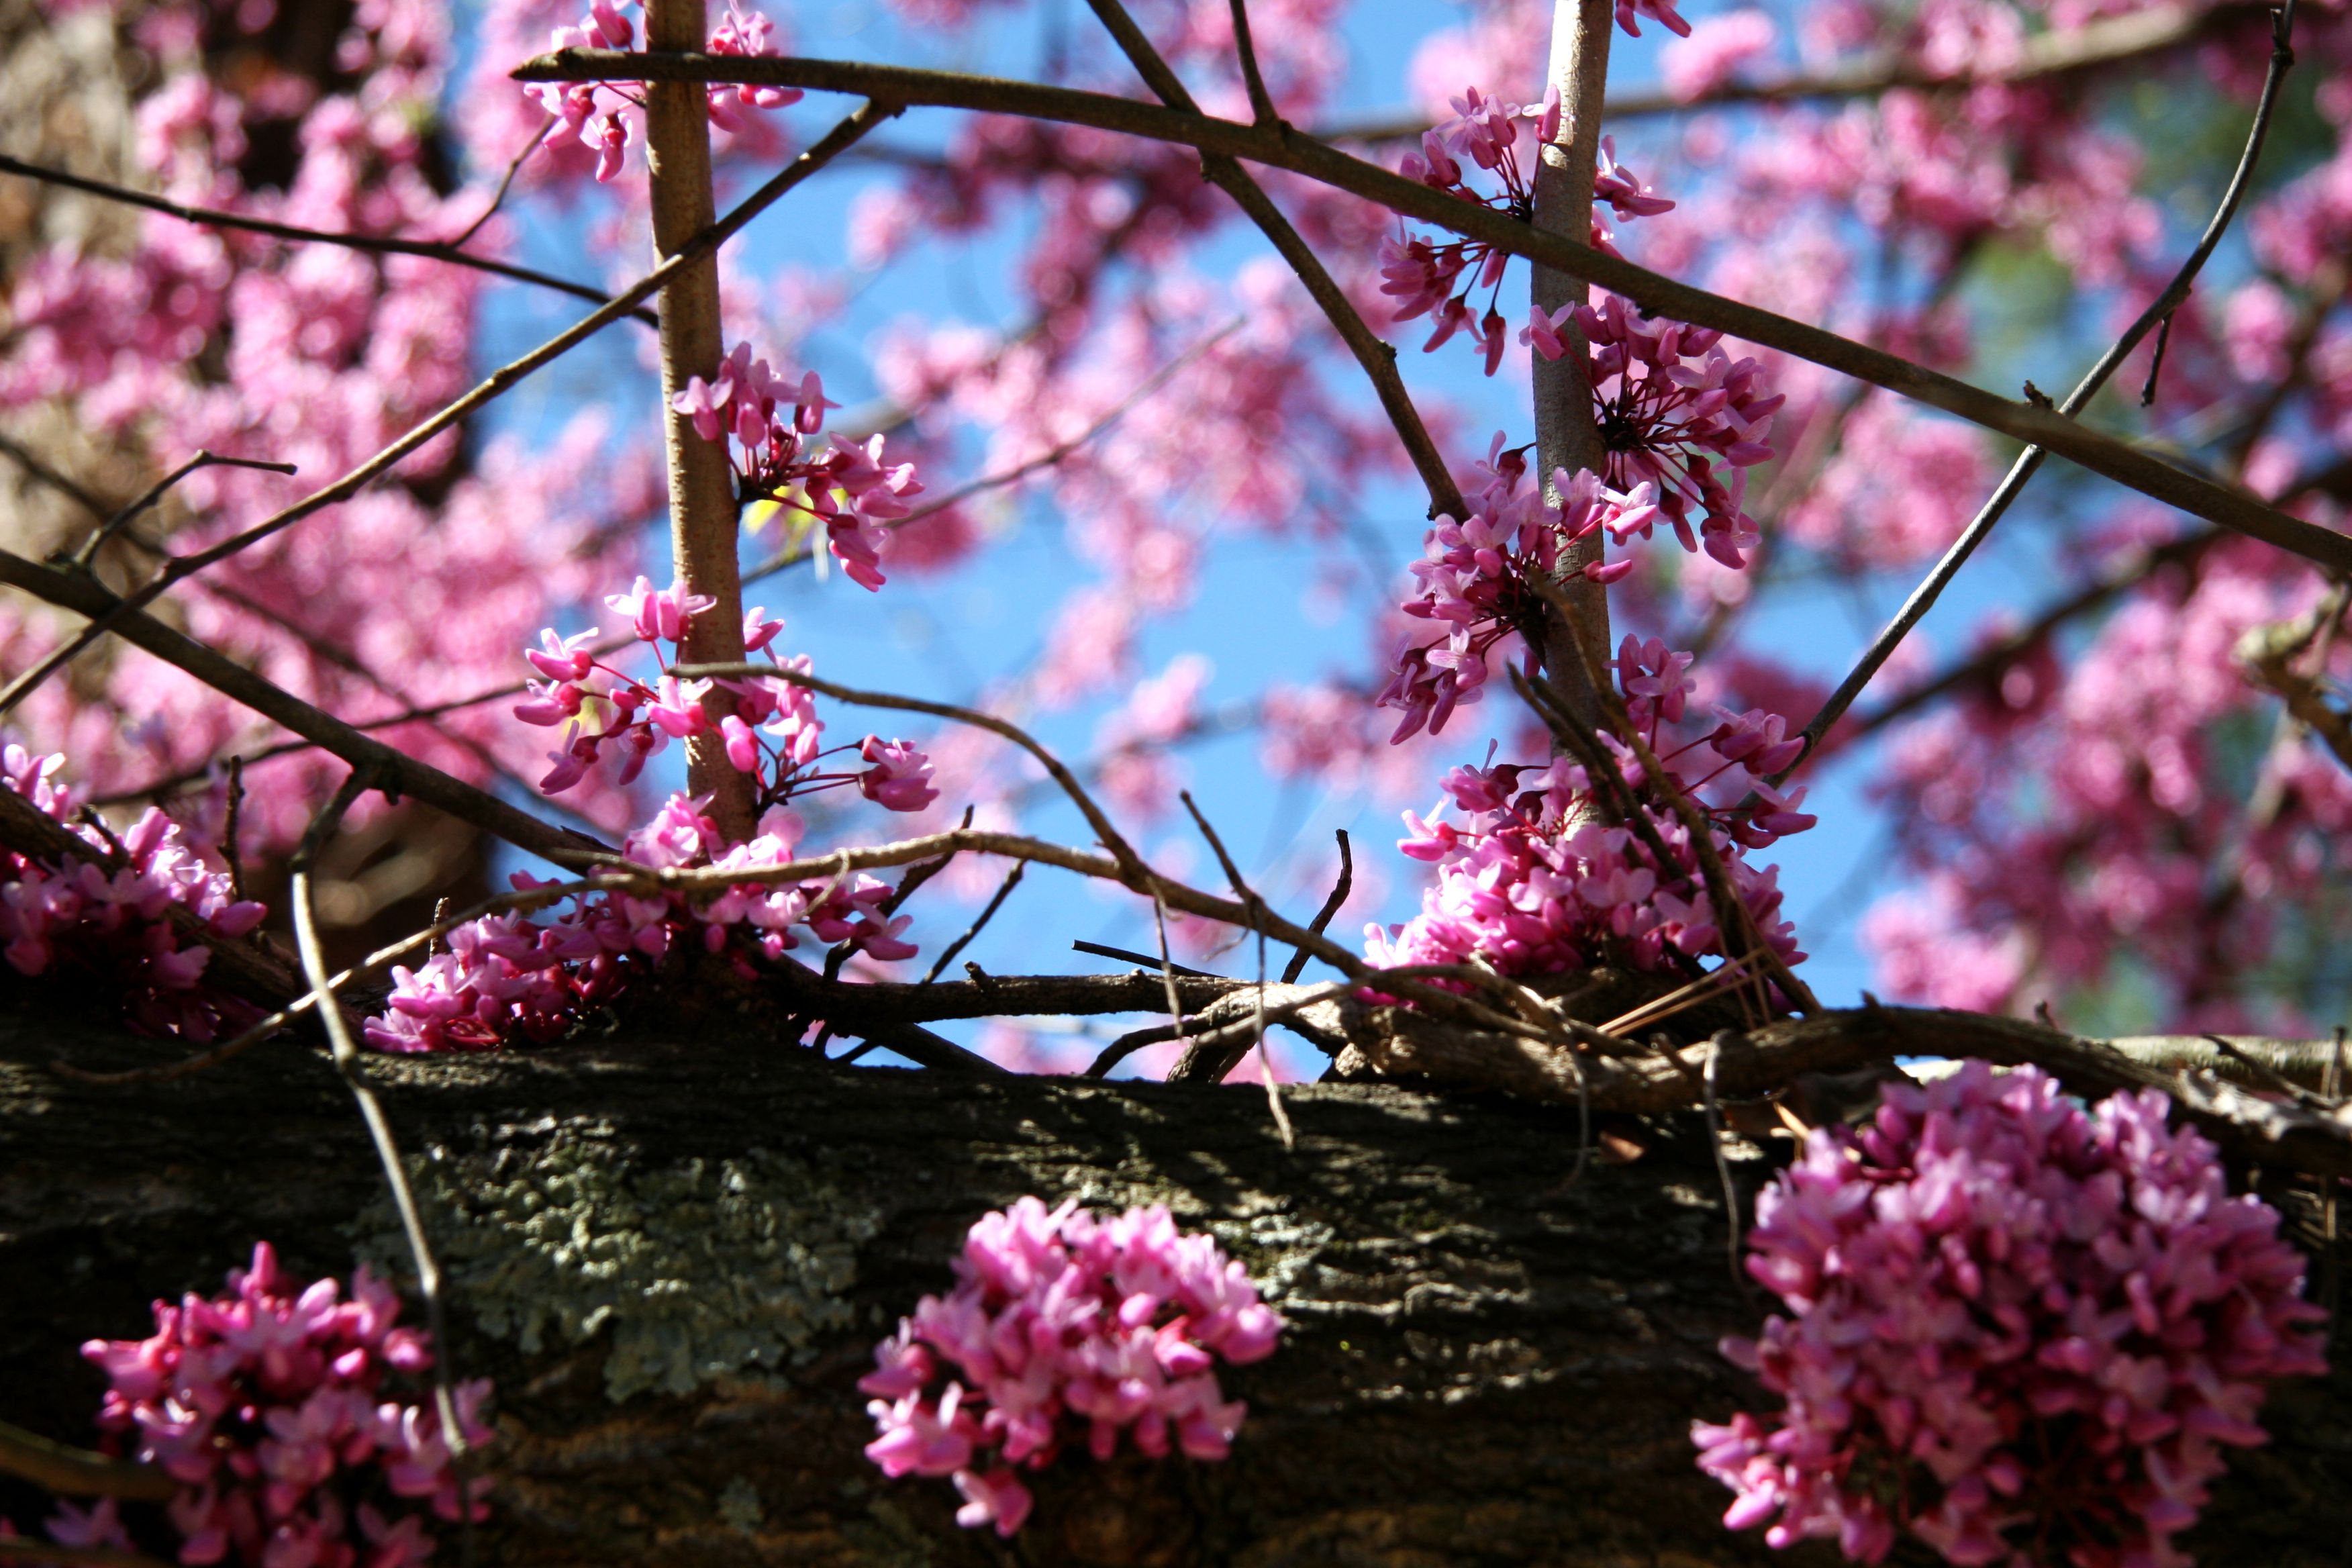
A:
1261	101
241	967
704	519
2268	654
1568	435
2106	42
1339	896
1923	597
379	244
155	493
1003	891
86	596
1376	356
77	1472
395	1175
1658	295
502	380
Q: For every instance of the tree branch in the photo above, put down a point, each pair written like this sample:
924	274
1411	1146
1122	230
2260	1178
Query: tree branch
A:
86	596
704	520
242	968
1374	354
378	245
1568	435
1923	597
1657	295
2108	41
502	381
77	1472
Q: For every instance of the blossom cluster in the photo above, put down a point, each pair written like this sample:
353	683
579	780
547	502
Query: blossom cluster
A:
268	1405
1530	881
593	113
849	490
114	923
1473	578
1437	279
1677	412
772	733
2020	1330
1062	1325
507	976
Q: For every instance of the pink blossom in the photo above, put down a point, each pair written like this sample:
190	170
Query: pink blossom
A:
2016	1325
77	916
267	1404
1711	53
900	778
1063	1325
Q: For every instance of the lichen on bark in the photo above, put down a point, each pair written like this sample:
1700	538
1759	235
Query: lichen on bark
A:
697	1269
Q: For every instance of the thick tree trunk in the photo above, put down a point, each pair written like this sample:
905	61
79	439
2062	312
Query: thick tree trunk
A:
675	1259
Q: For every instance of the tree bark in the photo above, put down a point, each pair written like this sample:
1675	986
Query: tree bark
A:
674	1257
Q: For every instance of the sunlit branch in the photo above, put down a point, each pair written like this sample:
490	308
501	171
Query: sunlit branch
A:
1923	597
1282	148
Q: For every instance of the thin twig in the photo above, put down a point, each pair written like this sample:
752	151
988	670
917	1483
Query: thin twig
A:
1257	907
501	380
2106	42
1109	835
381	245
1261	100
1322	920
155	493
1732	912
1053	456
77	1472
1723	1167
347	1064
1167	970
1618	803
1142	960
499	198
86	596
2159	311
64	484
1657	295
1003	891
1376	356
230	825
1264	1062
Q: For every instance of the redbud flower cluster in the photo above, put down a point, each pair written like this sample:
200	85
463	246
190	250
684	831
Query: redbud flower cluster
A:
1062	1325
849	490
1436	279
1530	882
1473	576
506	976
592	113
2021	1331
114	923
267	1404
1676	412
773	734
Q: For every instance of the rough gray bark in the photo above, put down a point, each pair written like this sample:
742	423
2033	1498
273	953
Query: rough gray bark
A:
1487	1365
